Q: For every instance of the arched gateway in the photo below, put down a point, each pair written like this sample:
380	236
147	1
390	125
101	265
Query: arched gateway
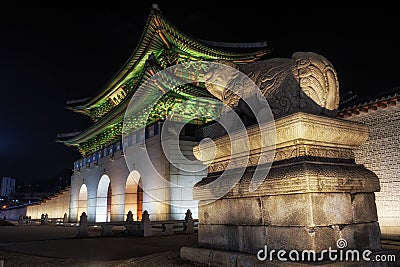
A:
134	195
101	145
103	205
82	200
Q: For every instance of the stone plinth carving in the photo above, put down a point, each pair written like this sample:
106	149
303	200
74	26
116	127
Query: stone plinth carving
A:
313	196
299	135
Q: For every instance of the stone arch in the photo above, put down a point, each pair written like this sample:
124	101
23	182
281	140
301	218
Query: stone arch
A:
134	195
140	199
103	199
82	200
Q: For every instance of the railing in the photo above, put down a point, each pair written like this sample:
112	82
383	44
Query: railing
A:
145	227
26	220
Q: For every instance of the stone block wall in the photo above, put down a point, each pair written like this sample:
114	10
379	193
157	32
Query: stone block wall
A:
55	206
184	174
167	183
381	154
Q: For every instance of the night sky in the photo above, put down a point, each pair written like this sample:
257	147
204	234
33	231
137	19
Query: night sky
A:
51	55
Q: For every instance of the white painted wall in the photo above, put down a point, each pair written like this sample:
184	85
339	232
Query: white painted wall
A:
162	200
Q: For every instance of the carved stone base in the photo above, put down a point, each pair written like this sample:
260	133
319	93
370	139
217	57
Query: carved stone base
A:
312	198
251	239
294	214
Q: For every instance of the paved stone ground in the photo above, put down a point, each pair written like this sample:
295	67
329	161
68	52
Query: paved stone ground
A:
57	246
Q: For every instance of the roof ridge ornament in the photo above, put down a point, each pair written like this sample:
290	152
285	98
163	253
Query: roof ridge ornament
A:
155	7
150	59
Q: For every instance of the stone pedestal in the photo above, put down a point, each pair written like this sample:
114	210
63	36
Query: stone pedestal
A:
313	195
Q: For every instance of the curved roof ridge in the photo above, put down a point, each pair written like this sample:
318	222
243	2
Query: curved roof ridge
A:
153	35
354	102
392	98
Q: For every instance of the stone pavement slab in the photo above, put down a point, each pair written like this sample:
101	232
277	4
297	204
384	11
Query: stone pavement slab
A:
60	242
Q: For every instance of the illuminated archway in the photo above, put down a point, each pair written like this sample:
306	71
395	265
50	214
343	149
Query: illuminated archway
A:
103	203
134	195
82	200
140	199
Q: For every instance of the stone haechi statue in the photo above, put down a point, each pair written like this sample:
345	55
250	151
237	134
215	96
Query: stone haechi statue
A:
307	82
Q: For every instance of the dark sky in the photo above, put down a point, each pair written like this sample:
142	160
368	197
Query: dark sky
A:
51	55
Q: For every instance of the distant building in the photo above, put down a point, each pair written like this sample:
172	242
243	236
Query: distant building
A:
7	186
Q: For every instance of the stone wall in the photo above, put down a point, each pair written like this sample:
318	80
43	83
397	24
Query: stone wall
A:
55	206
115	169
381	154
162	200
13	213
183	177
